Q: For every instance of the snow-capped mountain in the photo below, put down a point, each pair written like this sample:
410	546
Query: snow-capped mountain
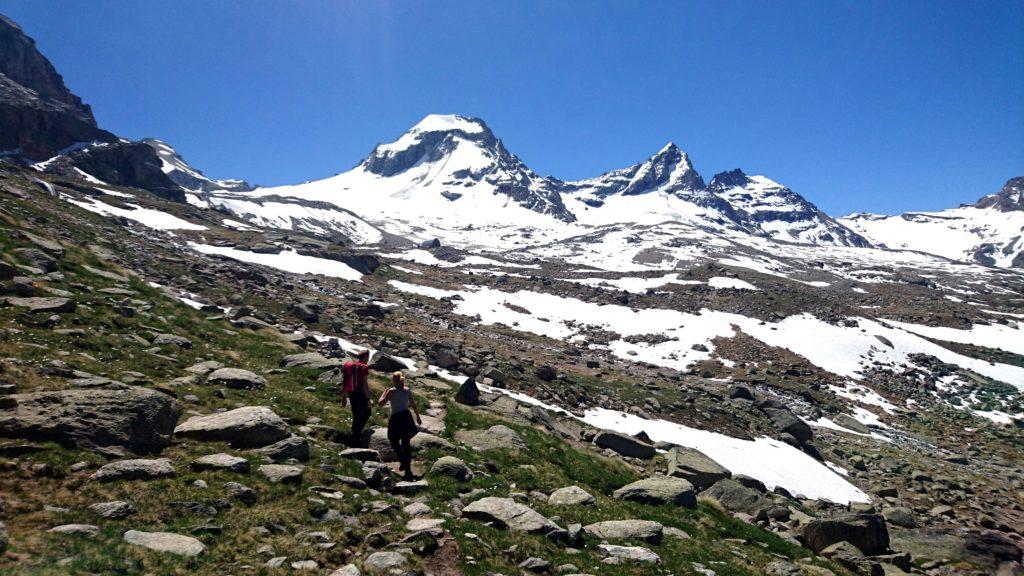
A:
773	209
450	177
186	176
989	232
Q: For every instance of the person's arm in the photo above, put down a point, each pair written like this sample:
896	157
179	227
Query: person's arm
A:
415	410
384	397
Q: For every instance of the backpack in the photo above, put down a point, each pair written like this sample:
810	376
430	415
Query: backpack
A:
349	371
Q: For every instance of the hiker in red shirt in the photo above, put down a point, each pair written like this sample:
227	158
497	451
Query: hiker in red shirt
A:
356	389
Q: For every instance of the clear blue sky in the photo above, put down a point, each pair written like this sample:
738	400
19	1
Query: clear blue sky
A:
877	106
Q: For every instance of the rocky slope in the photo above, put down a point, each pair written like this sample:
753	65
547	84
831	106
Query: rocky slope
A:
725	383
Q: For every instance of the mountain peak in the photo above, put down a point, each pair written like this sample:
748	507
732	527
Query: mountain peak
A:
450	123
729	179
1009	199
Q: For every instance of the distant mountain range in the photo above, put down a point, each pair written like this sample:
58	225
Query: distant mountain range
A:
449	175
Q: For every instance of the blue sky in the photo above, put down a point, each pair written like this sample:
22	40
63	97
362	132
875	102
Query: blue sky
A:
859	106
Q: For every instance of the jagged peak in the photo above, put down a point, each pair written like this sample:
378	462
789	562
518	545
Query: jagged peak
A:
729	179
450	123
1009	199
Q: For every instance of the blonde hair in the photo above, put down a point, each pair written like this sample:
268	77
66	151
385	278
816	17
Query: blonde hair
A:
398	379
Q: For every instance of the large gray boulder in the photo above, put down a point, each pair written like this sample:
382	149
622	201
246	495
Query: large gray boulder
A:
221	462
735	497
52	305
452	467
785	421
236	378
165	542
571	496
496	437
314	360
694	467
659	490
621	554
508	514
246	427
624	445
646	530
138	419
384	362
141	469
865	531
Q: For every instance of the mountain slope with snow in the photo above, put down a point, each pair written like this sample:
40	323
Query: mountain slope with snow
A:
449	177
990	232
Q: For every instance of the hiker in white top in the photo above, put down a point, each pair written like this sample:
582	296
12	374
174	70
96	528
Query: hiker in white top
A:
401	427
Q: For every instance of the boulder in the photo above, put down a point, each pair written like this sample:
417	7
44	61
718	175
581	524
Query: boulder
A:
37	259
282	473
694	467
236	378
80	529
468	393
865	531
293	447
628	554
139	419
384	562
313	360
496	437
571	496
659	490
452	467
165	542
735	497
246	427
140	469
221	462
851	423
646	530
785	421
624	445
172	340
444	355
508	514
113	510
384	362
51	305
376	439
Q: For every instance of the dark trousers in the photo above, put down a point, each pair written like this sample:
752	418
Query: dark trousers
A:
360	414
401	429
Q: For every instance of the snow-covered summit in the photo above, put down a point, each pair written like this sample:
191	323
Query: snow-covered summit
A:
186	176
778	212
450	174
989	232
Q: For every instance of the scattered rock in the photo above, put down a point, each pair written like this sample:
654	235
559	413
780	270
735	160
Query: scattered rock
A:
113	510
496	437
659	490
865	531
139	419
221	462
646	530
236	378
246	427
628	554
165	542
293	447
80	529
624	445
571	496
695	467
508	514
452	467
140	469
384	562
282	473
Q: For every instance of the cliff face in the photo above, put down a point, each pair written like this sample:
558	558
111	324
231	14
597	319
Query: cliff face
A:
39	116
